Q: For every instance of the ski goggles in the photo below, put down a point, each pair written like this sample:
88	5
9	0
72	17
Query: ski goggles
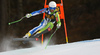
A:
52	8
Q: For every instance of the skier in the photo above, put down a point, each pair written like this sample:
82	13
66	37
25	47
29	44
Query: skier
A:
46	25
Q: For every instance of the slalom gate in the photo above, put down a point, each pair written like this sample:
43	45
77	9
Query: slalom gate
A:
62	16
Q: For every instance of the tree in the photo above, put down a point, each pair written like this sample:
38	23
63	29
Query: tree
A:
4	16
20	8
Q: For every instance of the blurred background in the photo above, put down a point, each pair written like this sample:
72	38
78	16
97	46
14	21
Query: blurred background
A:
82	19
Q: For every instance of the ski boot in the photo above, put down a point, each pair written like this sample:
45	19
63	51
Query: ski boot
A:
27	35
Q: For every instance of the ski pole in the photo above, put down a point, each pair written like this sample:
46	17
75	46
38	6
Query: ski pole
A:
51	37
16	21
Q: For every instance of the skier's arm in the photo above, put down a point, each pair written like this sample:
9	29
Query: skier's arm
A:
36	12
58	20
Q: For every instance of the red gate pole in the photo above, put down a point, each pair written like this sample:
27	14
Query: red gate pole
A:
43	18
65	31
63	17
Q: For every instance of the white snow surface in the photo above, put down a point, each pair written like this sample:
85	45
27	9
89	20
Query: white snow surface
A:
89	47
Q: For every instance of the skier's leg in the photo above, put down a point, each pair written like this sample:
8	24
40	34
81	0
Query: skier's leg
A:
41	25
46	29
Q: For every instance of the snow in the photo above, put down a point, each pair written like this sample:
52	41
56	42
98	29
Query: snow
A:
88	47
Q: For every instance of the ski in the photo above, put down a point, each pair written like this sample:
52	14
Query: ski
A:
24	39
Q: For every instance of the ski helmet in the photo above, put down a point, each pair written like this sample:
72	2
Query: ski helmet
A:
52	5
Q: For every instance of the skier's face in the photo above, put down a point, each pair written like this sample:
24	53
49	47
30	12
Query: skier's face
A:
52	9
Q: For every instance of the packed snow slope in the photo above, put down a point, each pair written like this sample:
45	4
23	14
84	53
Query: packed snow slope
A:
89	47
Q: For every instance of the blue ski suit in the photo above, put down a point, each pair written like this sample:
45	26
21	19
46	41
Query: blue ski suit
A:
46	24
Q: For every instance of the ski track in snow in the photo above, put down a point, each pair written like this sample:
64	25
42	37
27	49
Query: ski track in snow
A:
88	47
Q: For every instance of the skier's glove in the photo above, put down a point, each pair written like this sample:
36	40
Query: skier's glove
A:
58	25
28	15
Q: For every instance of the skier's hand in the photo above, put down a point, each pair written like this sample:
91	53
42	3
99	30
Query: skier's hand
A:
58	25
28	15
